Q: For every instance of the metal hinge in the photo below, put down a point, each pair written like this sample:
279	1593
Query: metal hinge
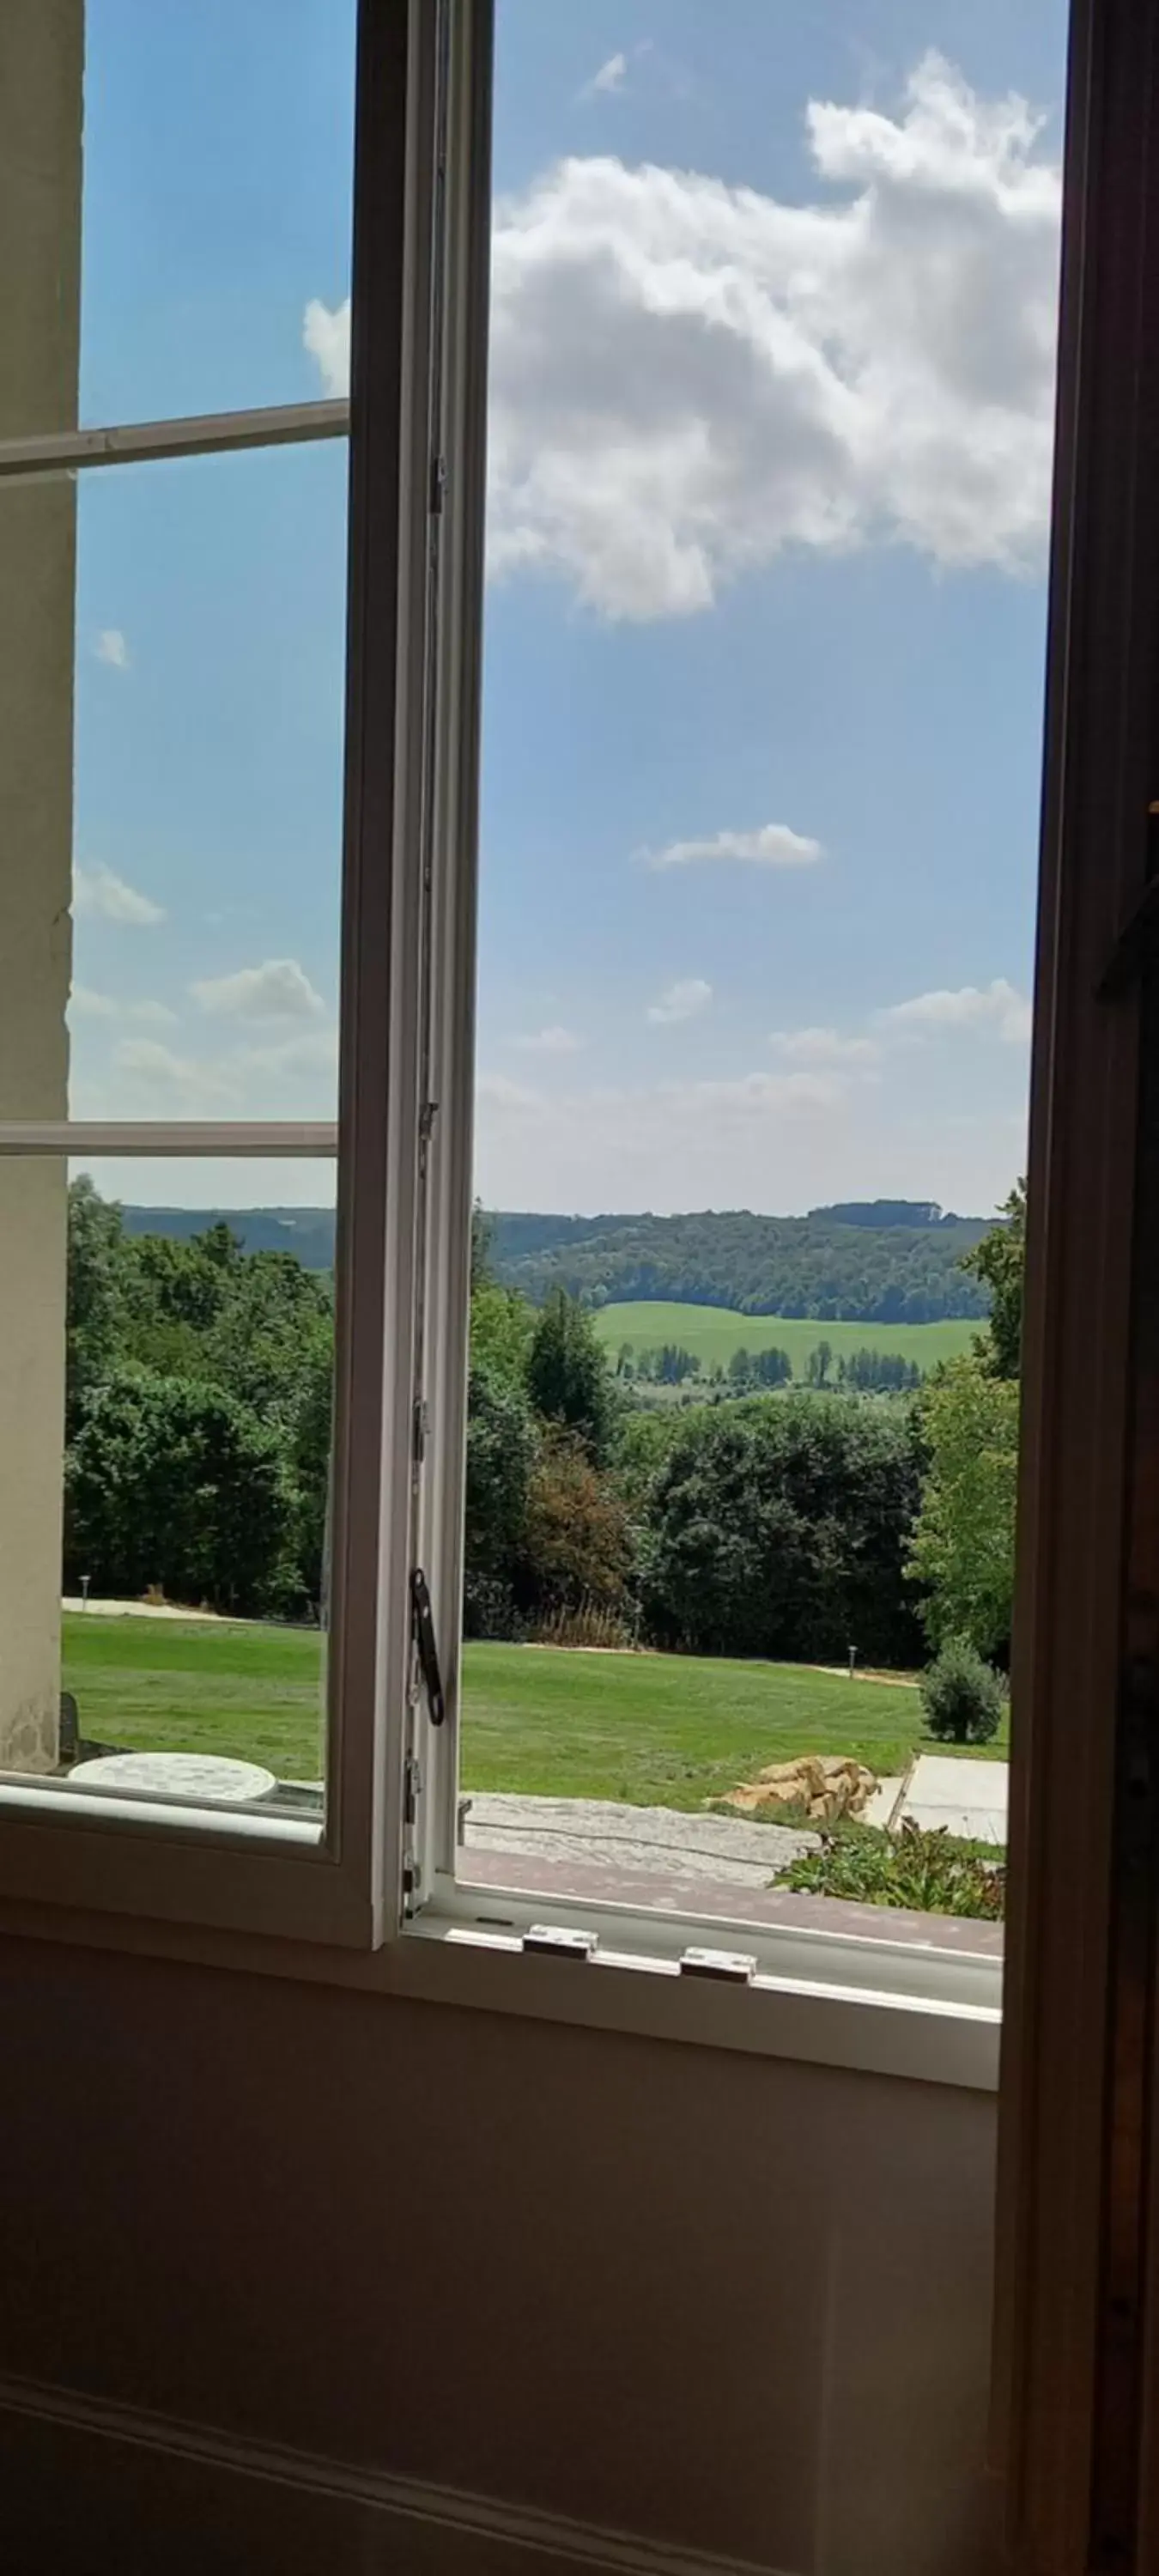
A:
560	1941
423	1634
730	1967
412	1782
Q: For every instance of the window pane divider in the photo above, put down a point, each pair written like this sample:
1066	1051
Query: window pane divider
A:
201	434
282	1138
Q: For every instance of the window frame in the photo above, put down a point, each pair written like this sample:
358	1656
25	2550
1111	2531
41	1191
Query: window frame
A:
259	1873
371	1900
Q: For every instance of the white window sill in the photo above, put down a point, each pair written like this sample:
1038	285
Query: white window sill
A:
891	2001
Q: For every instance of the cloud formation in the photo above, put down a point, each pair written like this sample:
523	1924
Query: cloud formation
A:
326	339
681	1001
85	1004
277	990
105	896
112	648
609	78
688	377
997	1009
822	1046
551	1041
193	1084
772	846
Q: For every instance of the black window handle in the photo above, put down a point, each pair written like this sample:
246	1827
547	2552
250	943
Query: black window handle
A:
423	1632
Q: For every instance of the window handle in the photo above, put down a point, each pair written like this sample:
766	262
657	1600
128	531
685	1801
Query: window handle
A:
426	1648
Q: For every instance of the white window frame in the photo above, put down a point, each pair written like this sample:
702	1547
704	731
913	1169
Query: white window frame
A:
371	1897
259	1872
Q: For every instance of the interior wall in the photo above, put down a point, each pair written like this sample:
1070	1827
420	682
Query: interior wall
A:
715	2299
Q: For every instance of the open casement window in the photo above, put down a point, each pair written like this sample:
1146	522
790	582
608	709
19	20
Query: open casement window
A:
1077	2393
375	1865
345	487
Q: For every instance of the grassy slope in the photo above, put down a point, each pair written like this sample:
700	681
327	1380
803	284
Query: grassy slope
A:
714	1333
651	1729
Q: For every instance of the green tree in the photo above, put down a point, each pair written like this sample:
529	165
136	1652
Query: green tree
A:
96	1267
174	1483
999	1262
568	1377
501	1453
963	1540
779	1527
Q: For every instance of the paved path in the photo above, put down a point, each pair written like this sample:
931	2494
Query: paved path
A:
656	1839
964	1797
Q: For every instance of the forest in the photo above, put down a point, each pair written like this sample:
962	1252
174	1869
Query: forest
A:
885	1261
775	1520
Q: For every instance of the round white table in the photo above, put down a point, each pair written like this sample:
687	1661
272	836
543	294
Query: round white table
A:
204	1779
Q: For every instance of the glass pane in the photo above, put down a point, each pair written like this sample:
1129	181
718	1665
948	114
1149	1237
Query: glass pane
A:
168	1597
202	670
771	401
202	261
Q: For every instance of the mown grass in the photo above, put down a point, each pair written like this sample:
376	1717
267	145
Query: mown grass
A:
713	1333
653	1730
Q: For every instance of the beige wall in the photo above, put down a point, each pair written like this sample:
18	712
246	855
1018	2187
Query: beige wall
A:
729	2302
40	168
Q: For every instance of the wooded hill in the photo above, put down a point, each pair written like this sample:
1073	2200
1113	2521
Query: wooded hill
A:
875	1262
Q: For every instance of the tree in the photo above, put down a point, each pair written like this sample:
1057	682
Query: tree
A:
779	1527
578	1540
96	1250
501	1452
819	1363
999	1261
963	1541
173	1483
568	1378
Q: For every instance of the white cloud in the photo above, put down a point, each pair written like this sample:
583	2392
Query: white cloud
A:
316	1051
552	1041
822	1046
688	377
773	846
194	1085
326	338
277	990
997	1009
111	647
783	1139
99	892
681	1001
609	78
84	1004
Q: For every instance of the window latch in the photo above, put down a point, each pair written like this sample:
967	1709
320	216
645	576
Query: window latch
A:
423	1633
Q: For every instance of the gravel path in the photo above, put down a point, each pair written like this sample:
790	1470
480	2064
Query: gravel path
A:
723	1848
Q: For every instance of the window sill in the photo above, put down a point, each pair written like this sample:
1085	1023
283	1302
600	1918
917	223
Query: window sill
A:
835	1985
821	1998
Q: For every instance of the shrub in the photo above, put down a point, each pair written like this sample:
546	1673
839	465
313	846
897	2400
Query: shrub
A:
928	1872
963	1697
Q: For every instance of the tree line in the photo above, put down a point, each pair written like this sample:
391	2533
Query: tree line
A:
832	1265
790	1522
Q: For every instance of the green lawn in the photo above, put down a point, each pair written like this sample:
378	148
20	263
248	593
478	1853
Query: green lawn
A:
714	1332
665	1730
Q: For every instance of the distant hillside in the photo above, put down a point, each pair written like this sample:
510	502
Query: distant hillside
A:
836	1265
889	1261
308	1232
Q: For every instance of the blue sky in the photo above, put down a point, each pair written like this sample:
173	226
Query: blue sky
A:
765	620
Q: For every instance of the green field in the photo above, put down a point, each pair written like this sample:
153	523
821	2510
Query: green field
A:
714	1332
664	1730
